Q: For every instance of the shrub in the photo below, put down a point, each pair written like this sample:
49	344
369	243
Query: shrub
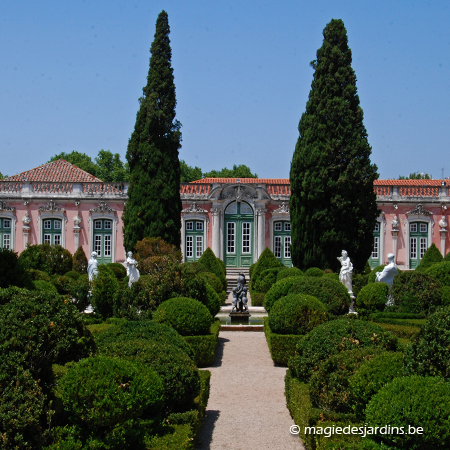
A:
52	259
371	376
416	292
211	264
359	281
429	354
314	272
266	279
431	256
413	402
41	285
118	270
213	300
63	284
151	247
279	289
251	269
187	316
104	287
212	280
178	372
297	314
441	271
445	295
13	272
373	297
289	272
145	329
204	347
447	257
79	292
102	393
329	385
79	261
266	260
72	274
336	336
39	275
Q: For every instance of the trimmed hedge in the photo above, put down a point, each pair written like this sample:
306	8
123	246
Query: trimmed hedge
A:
413	401
441	271
257	298
373	273
266	260
431	256
79	261
401	331
187	316
372	297
334	337
297	314
289	272
279	289
53	259
267	278
204	347
212	280
209	261
104	288
118	270
213	300
281	346
314	272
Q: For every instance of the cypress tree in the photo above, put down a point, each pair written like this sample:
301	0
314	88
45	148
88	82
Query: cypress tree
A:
153	208
333	204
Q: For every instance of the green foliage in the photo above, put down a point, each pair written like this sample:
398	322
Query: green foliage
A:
372	297
104	287
404	331
204	347
333	337
153	208
331	174
79	292
39	275
267	279
371	376
266	260
314	272
416	292
447	257
241	171
440	271
445	295
373	273
297	314
72	274
189	173
79	261
41	285
289	272
118	270
212	280
155	247
417	402
432	256
429	354
329	385
359	281
415	176
13	271
213	301
176	369
209	261
251	269
63	284
279	289
187	316
52	259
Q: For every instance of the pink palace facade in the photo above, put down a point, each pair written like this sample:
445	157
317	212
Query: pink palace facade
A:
61	204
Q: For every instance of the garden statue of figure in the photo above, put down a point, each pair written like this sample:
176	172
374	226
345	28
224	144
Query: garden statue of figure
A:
345	275
92	268
388	273
132	270
240	296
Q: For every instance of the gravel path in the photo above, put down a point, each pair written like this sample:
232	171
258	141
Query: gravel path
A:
246	408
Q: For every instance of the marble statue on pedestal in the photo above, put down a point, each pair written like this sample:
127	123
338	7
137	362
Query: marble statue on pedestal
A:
388	273
92	268
132	270
240	296
346	273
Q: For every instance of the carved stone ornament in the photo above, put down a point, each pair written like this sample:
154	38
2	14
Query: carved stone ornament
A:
5	207
26	219
443	223
215	211
395	223
51	206
420	211
103	207
283	209
239	193
76	221
194	208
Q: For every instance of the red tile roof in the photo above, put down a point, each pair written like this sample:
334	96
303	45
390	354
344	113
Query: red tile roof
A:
244	180
410	182
56	171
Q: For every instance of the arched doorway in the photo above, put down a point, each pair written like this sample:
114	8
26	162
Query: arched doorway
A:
239	219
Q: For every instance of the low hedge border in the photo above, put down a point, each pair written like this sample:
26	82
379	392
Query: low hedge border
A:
182	429
401	331
282	346
391	315
204	347
257	298
411	322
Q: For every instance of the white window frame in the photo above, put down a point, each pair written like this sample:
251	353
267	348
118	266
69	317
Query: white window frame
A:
376	247
277	246
410	220
287	226
48	215
199	225
189	225
287	248
10	216
198	245
189	246
278	226
249	238
190	217
103	216
233	252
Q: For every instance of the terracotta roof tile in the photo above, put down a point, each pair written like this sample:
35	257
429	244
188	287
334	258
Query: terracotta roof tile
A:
244	180
59	171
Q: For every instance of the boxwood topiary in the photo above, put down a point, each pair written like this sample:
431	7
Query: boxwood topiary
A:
332	337
289	272
431	256
178	372
373	297
41	285
297	314
279	289
213	300
209	261
267	279
104	287
329	385
314	272
413	402
266	260
441	271
212	280
429	354
373	273
371	376
187	316
118	270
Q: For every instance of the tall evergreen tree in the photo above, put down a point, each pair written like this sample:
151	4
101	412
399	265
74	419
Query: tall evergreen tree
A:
153	208
333	204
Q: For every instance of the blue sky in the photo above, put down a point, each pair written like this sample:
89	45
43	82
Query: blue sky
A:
71	74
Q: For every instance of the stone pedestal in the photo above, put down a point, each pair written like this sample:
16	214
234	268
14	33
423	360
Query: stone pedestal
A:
240	316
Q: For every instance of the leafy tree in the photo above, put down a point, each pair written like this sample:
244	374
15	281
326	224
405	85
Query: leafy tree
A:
416	176
79	261
153	208
81	160
189	173
241	171
333	205
3	176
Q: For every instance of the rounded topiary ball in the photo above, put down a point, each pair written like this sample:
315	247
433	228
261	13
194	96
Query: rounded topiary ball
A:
187	316
373	297
314	272
289	272
297	314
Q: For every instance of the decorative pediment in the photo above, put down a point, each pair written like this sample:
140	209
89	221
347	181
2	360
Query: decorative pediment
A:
419	210
5	207
51	206
239	193
103	207
194	208
283	209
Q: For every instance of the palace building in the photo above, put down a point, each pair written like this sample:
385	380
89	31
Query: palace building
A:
59	203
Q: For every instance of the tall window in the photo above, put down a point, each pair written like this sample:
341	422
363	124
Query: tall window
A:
194	239
375	257
5	233
103	240
282	241
52	231
418	242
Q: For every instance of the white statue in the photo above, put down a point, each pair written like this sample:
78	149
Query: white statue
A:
345	275
92	269
132	270
388	273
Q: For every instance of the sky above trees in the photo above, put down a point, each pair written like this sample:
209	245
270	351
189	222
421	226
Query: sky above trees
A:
72	73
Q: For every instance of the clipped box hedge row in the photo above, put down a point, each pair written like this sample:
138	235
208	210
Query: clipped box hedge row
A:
204	347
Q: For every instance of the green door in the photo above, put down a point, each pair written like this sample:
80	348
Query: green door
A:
194	240
282	242
238	235
103	240
418	242
374	259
